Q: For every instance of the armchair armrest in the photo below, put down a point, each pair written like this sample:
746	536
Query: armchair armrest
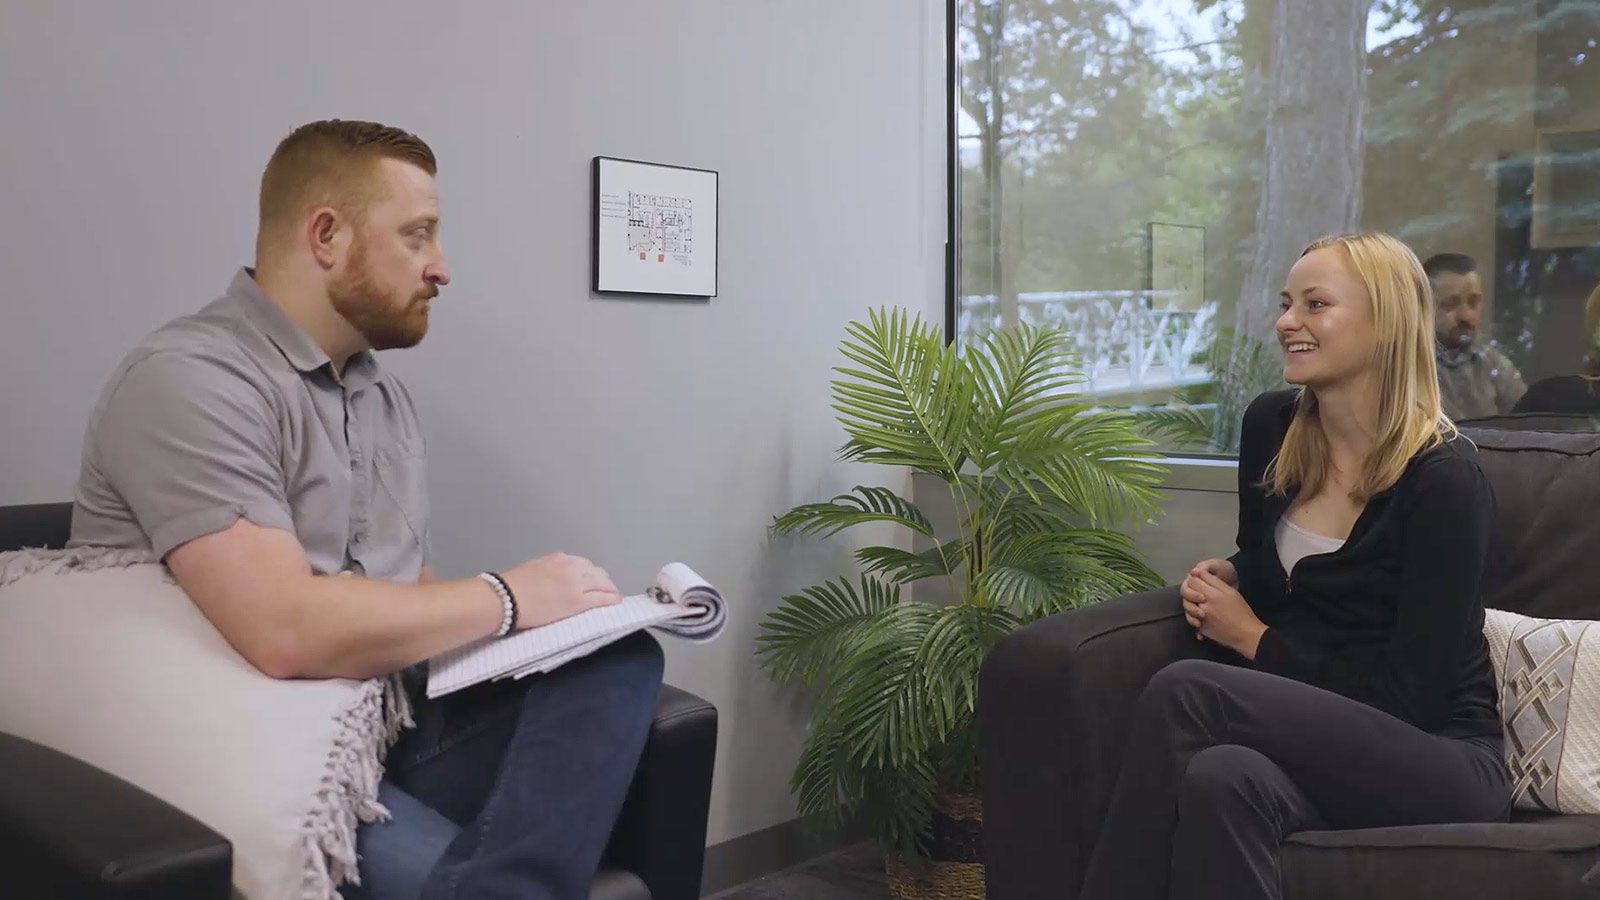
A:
1054	701
68	829
661	834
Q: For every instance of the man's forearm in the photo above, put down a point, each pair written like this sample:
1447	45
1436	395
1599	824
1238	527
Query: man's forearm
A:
353	627
291	623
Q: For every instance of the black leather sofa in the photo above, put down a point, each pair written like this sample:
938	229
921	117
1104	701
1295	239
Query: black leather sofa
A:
68	829
1055	697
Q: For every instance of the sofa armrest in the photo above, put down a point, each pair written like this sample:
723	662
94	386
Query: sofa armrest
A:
68	829
661	834
1054	701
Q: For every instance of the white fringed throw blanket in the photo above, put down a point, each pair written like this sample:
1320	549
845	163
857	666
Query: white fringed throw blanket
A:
104	657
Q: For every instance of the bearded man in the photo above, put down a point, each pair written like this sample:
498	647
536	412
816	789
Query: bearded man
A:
257	448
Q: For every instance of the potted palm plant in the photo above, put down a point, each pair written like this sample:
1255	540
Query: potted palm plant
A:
1039	481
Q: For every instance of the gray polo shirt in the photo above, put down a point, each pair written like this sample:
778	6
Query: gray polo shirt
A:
235	413
1477	381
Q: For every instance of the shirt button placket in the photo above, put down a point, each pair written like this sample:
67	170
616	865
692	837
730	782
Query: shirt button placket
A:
358	472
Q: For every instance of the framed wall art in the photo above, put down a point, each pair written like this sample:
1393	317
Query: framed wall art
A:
655	229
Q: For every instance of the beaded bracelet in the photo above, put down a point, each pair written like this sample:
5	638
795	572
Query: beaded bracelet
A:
508	602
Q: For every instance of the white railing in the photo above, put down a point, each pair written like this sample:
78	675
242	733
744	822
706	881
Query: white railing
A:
1127	341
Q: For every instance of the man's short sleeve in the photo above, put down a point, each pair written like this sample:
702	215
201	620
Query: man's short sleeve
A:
191	445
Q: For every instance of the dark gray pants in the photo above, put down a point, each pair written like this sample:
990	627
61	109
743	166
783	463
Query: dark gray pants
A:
1224	762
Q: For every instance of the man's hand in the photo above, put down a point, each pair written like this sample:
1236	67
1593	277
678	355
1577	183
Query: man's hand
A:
1217	612
558	586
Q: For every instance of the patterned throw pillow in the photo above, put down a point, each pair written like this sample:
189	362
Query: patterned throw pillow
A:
1547	672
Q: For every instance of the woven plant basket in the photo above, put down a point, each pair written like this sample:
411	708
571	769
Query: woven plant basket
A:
955	869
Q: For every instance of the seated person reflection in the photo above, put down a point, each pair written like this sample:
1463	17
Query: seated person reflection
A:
1572	394
1475	378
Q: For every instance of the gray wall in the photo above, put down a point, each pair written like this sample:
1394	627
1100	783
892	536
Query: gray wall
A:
1194	525
635	432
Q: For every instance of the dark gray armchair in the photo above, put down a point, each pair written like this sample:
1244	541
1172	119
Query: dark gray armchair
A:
69	830
1055	697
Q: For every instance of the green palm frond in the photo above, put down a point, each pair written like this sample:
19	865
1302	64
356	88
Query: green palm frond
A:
811	630
831	789
898	804
1051	572
903	566
908	400
866	504
879	696
1008	512
826	784
1022	586
1021	376
882	720
1113	549
1174	425
1096	463
952	652
1019	519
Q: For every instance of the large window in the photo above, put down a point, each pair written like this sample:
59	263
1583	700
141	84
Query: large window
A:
1144	172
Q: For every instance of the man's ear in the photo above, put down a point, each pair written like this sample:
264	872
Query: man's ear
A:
327	236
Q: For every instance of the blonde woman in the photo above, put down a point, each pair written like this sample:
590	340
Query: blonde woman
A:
1352	686
1572	394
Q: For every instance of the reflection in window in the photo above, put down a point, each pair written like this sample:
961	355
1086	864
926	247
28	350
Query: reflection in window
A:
1144	172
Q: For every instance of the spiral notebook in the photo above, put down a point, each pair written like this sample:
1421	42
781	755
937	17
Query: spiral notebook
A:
680	603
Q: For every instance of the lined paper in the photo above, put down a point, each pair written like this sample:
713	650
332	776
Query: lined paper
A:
681	604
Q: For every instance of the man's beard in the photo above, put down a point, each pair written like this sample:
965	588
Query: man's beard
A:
387	322
1459	338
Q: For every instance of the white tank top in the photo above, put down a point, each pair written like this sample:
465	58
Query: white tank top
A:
1296	543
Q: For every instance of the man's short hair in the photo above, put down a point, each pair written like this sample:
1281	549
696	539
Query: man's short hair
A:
331	163
1456	263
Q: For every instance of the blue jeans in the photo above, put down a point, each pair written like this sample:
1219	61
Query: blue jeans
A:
511	788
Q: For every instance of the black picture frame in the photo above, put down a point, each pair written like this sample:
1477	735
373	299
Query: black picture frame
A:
606	276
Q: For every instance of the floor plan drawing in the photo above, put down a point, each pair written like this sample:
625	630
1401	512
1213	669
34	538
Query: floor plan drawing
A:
655	229
661	225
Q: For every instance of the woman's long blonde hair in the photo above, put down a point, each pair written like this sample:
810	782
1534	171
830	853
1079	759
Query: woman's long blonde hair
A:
1591	328
1410	417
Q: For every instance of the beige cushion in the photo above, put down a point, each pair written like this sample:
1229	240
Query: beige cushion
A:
117	667
1547	672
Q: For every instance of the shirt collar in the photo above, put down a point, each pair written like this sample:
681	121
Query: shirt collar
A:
1457	357
296	346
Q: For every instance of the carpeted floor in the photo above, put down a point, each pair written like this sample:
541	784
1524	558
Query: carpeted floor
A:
854	873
